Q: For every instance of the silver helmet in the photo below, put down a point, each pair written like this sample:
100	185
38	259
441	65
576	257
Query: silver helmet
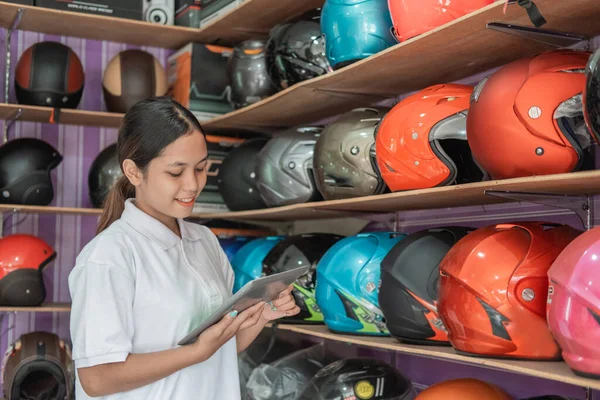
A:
284	167
344	160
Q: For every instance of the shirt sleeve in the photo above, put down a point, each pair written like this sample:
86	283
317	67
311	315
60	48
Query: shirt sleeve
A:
101	314
226	265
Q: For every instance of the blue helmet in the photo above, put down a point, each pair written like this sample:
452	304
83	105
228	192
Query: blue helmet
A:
247	262
232	245
355	29
348	280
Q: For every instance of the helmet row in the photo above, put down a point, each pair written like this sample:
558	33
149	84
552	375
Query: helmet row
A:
484	291
442	135
51	74
320	41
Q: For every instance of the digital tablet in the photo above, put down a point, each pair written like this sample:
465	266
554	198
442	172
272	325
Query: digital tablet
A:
266	288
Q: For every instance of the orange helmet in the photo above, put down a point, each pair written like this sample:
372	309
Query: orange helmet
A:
493	289
22	258
414	17
463	389
525	119
422	141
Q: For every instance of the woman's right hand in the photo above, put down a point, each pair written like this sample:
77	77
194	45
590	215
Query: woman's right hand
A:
220	333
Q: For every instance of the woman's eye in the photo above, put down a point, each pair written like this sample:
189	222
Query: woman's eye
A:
174	175
199	169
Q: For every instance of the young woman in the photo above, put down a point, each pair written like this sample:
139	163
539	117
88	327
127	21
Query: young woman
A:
149	277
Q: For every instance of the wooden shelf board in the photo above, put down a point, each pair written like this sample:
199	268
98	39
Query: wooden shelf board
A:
587	182
17	208
451	52
237	25
67	116
553	370
253	18
48	307
576	183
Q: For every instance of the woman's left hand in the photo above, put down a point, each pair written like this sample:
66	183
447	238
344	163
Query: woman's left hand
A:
283	306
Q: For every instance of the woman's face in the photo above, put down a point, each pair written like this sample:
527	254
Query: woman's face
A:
174	179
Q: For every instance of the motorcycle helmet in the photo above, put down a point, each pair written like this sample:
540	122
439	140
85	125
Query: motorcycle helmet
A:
296	52
538	101
355	29
344	160
25	166
414	17
359	378
104	173
247	262
573	312
130	77
493	289
463	389
348	280
237	177
38	366
287	377
232	245
248	75
49	74
422	141
285	167
295	252
591	95
410	282
22	259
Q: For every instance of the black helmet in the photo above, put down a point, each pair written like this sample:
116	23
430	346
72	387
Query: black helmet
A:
248	75
296	52
298	251
38	366
591	95
359	378
409	285
237	177
104	174
25	166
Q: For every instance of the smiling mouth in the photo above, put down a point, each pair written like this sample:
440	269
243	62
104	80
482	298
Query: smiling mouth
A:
186	202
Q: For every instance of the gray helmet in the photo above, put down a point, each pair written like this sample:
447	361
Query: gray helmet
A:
344	159
285	167
248	75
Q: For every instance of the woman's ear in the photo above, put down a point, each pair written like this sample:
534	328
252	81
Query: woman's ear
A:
132	172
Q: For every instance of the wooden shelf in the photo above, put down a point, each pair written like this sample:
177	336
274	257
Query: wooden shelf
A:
254	18
454	51
587	182
576	183
553	370
48	307
67	116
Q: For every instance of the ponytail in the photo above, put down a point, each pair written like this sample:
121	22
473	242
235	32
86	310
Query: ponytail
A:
115	203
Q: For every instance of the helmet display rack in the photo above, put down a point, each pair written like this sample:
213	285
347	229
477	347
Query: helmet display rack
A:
572	191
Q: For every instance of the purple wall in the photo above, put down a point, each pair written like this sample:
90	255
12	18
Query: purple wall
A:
68	234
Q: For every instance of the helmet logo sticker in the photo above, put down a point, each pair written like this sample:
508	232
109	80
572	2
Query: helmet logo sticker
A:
371	287
364	390
535	112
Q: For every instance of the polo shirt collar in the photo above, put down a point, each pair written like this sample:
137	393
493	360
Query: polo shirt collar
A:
155	230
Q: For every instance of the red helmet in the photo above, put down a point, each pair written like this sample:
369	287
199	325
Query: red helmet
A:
414	17
22	258
524	119
493	289
574	303
463	389
422	141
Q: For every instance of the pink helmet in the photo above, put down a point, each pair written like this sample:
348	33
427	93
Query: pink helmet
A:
573	310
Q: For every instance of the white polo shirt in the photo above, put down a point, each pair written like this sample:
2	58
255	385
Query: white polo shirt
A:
138	288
